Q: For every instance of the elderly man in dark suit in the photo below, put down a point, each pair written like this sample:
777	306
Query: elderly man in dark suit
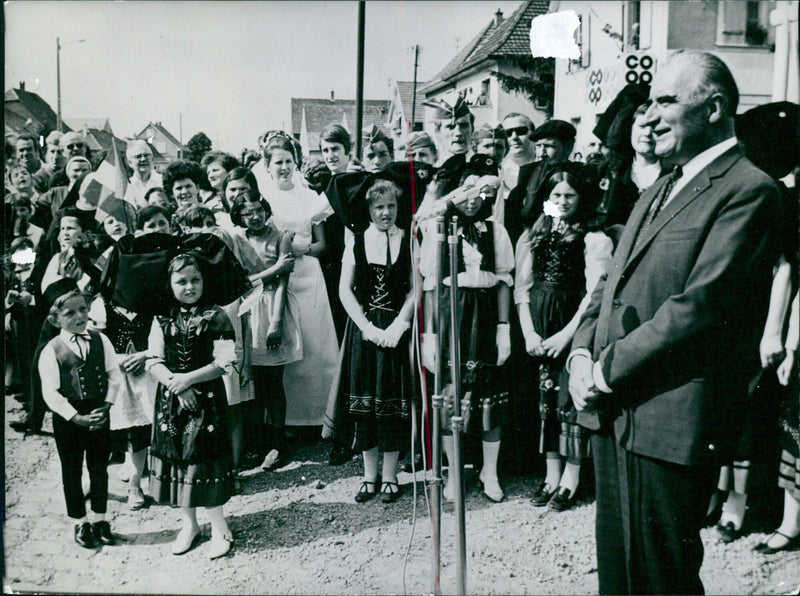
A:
660	362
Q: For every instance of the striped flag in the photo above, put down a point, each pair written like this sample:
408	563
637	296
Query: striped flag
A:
122	211
93	190
111	171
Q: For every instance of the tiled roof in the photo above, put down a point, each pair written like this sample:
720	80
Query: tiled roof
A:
406	89
511	38
104	139
321	112
21	105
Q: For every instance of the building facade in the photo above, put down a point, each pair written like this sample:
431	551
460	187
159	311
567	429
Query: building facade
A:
498	48
626	41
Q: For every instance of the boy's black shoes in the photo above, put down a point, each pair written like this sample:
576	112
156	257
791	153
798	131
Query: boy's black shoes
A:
84	535
102	531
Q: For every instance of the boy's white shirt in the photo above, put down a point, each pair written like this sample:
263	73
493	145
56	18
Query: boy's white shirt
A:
51	380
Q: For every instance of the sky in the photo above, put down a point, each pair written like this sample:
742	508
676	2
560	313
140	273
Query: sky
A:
228	69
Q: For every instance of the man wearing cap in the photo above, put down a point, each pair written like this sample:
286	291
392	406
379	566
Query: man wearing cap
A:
140	159
488	140
378	149
662	357
554	141
453	126
421	148
73	144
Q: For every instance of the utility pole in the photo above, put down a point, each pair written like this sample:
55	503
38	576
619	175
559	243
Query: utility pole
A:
360	78
59	45
58	83
414	91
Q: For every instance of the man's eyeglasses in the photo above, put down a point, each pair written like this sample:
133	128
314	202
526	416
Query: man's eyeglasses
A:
520	131
76	146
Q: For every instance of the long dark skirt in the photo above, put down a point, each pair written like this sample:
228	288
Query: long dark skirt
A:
552	306
191	463
379	387
484	385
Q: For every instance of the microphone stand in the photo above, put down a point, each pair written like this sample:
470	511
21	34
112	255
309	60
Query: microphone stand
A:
437	403
457	421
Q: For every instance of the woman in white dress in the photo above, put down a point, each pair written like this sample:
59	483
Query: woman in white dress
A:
300	210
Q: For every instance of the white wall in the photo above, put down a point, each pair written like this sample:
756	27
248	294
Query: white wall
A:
576	92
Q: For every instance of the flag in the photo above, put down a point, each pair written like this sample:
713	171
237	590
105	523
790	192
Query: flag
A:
121	210
111	171
93	191
121	185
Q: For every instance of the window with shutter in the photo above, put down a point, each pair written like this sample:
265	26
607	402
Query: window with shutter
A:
744	24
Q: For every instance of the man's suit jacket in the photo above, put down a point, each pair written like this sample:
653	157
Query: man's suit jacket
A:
676	322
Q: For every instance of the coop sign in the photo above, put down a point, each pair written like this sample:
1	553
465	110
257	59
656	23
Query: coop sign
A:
639	68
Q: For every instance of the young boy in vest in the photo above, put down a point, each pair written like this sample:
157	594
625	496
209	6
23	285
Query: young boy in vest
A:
78	375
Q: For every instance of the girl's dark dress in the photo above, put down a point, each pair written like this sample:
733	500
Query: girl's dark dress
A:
486	259
191	463
558	289
378	381
561	265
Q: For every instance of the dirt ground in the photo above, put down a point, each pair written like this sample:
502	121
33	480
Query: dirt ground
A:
298	531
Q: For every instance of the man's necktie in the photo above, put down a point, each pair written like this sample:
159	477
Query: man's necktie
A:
658	204
81	341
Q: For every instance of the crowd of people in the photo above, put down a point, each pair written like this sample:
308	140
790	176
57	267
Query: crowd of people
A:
215	307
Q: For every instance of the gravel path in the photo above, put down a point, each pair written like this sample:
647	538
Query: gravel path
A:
298	531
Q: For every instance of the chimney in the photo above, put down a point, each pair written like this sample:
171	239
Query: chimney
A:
498	18
332	96
22	85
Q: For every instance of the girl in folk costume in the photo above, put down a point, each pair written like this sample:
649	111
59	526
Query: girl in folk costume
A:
131	416
375	289
484	280
559	261
190	349
270	317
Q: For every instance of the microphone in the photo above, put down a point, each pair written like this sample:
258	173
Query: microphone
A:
472	188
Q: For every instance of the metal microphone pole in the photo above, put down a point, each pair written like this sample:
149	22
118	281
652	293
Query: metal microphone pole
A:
457	421
437	403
